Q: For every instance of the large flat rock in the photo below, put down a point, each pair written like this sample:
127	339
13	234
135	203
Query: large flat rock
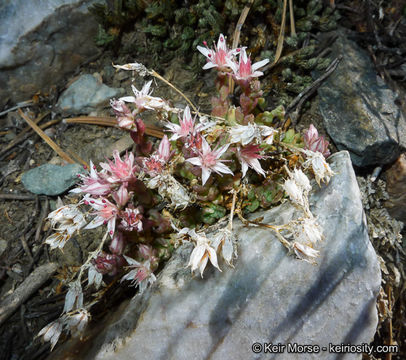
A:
359	109
41	41
267	297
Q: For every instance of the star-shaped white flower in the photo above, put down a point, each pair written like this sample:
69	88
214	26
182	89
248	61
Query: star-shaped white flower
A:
245	134
143	99
209	161
202	253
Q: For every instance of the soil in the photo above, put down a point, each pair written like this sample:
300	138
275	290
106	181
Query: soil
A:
23	221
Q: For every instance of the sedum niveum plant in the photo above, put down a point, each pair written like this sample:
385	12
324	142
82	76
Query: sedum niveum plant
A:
204	171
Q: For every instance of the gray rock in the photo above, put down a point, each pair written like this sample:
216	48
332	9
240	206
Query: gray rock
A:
396	187
85	95
41	41
51	179
267	297
359	110
3	246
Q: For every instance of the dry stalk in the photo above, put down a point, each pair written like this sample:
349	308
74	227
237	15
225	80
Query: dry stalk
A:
108	121
281	37
46	138
292	19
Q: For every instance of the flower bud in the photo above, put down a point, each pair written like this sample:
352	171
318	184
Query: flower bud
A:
117	244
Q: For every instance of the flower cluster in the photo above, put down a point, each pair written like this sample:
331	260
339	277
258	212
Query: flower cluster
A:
185	180
224	59
70	220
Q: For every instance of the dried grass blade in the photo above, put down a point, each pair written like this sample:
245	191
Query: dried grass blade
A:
46	138
281	37
292	19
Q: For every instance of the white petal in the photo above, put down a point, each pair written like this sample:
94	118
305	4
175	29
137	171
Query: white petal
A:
130	99
196	257
257	74
186	113
244	168
205	146
233	65
221	43
255	164
209	65
203	264
145	88
213	257
227	251
243	56
205	175
259	64
131	261
220	167
97	221
205	51
222	150
195	161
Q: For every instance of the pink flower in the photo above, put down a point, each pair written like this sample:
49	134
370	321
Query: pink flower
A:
248	156
244	70
131	220
148	253
218	57
316	143
94	184
209	161
156	162
187	127
120	170
106	213
124	116
121	196
164	149
117	244
108	263
141	275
